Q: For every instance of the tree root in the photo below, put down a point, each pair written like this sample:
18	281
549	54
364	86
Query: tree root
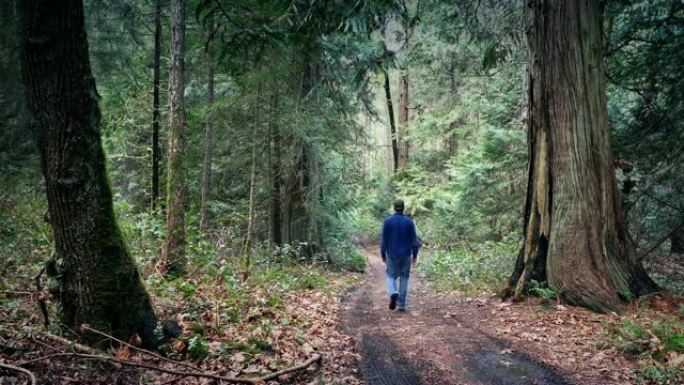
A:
236	380
21	370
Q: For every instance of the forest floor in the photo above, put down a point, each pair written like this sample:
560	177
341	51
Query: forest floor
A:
454	339
286	314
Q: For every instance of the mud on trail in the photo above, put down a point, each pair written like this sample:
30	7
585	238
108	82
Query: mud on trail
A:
439	340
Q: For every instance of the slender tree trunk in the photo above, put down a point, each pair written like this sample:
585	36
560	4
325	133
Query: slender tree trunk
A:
575	235
451	139
251	215
275	162
252	175
208	143
404	116
393	127
98	282
156	116
174	249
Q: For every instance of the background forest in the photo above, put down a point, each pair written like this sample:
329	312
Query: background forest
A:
303	121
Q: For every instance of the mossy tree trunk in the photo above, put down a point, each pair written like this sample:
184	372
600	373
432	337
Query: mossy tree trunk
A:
97	280
173	258
574	232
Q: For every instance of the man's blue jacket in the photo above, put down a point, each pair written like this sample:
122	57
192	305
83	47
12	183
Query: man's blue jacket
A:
399	238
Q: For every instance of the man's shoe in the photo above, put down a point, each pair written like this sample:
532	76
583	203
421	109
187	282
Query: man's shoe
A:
401	309
393	301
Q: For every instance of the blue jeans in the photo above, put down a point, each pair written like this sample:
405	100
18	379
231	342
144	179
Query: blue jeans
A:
398	269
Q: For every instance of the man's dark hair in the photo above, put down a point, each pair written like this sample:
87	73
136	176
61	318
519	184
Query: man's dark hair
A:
399	206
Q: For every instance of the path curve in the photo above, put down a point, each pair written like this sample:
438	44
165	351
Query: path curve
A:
436	342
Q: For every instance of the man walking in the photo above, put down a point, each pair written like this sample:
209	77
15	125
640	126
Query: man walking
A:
399	250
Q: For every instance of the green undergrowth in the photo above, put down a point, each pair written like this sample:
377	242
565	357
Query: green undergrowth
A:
470	268
657	343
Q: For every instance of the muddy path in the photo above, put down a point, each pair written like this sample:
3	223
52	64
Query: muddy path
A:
437	341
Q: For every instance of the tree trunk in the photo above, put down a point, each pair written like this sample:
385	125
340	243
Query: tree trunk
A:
173	257
156	116
402	128
299	224
251	215
677	242
392	126
99	283
252	175
208	143
275	163
574	233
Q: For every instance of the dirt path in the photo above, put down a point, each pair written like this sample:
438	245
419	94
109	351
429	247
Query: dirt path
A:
436	342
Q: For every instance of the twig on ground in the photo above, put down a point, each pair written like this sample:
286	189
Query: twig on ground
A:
87	328
236	380
21	370
71	344
13	292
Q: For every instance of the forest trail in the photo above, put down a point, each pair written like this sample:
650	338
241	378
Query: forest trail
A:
437	341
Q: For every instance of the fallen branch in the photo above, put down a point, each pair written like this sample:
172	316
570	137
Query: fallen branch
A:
235	380
87	328
659	242
69	343
21	370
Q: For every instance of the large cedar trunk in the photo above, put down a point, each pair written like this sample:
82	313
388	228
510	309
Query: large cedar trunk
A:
173	258
156	116
574	233
403	119
98	282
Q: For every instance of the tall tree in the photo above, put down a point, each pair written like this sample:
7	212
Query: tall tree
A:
392	125
174	250
208	138
156	116
403	119
99	283
276	179
574	233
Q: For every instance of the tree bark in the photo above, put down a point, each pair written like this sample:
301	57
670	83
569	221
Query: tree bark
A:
173	258
208	142
574	232
98	282
392	125
404	116
301	194
677	242
275	163
156	115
